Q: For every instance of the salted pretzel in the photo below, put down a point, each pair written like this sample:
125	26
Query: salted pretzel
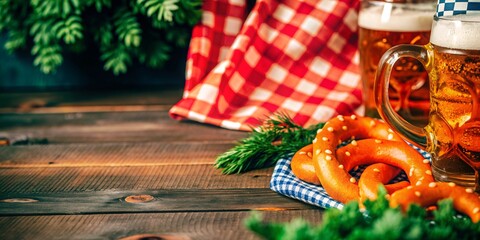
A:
377	141
302	165
465	200
376	174
373	175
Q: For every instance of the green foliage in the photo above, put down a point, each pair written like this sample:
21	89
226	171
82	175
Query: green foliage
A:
99	4
277	138
160	9
377	221
127	28
59	8
70	30
16	40
116	59
47	57
123	31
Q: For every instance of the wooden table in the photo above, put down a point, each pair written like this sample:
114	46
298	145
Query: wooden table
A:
112	165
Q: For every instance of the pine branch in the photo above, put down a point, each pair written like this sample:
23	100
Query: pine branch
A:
278	137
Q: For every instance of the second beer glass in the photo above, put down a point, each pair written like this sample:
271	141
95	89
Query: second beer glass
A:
386	24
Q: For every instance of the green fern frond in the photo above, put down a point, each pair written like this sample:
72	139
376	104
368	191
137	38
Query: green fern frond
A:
99	4
5	16
127	28
56	7
155	54
13	13
178	36
162	9
47	57
103	35
70	29
116	59
189	12
41	30
123	31
16	39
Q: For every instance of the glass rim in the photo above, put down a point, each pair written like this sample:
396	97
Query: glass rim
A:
417	5
452	18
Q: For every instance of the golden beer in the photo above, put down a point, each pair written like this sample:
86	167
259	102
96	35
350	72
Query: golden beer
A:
455	109
452	135
381	30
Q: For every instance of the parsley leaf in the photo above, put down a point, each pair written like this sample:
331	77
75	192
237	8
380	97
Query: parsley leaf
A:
376	221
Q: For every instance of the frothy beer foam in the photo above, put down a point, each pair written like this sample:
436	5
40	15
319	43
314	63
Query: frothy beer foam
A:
453	34
396	19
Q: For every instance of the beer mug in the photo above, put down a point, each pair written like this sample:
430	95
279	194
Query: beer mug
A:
452	135
384	25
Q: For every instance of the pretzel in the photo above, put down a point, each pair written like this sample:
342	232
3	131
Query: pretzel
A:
426	195
376	174
302	165
373	175
379	144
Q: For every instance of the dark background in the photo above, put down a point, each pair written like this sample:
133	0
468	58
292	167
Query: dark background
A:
85	71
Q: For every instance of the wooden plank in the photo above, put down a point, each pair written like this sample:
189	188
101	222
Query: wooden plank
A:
20	120
189	225
111	154
100	178
83	109
110	127
62	100
171	200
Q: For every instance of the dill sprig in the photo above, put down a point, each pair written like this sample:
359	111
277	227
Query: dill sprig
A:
278	137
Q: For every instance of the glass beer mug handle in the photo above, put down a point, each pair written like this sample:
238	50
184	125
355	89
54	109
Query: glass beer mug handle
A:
412	133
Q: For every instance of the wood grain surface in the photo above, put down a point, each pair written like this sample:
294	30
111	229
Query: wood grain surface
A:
173	200
117	166
186	225
143	126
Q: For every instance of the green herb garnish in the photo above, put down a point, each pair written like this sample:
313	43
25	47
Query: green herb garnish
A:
278	137
378	221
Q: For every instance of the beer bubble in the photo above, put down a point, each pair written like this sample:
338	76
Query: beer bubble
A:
467	138
441	134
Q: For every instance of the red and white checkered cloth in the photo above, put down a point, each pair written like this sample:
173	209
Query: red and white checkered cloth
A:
289	56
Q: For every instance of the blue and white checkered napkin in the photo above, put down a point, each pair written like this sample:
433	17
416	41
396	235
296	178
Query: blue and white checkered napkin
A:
455	7
286	183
